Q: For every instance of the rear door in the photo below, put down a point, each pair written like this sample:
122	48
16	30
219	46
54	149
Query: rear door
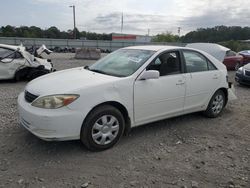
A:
202	80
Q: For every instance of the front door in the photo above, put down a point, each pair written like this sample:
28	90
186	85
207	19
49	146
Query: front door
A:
156	99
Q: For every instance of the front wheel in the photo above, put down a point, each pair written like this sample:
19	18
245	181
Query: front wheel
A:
216	104
102	128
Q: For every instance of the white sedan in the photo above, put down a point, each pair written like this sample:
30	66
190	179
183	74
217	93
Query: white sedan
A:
129	87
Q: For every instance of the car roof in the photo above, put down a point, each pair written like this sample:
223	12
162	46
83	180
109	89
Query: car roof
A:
154	47
157	48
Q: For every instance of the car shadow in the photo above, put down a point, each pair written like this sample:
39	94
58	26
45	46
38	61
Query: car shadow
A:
50	147
169	126
11	81
243	86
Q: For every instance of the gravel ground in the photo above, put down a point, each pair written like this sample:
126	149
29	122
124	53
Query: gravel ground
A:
188	151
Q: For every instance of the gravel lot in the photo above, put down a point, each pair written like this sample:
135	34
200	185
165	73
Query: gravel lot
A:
188	151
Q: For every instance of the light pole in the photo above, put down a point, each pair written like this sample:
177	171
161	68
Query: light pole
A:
74	17
179	31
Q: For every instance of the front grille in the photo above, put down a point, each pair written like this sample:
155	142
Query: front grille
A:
247	73
29	97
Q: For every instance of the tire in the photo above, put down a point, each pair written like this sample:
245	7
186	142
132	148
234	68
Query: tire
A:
237	66
21	74
216	104
35	74
102	128
17	77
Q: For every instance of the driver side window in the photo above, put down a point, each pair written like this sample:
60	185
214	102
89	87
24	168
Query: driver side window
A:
167	63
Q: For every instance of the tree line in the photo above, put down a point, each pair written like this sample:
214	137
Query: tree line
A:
227	36
215	34
52	32
230	37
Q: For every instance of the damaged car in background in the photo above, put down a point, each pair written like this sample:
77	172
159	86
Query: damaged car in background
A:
17	63
127	88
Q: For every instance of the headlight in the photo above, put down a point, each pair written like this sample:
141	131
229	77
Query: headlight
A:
54	101
240	70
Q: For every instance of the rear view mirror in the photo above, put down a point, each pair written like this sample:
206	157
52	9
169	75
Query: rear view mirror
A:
150	74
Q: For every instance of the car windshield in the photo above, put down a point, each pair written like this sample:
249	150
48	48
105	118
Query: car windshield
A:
122	63
5	53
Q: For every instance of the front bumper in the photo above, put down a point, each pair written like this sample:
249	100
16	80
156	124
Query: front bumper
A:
50	124
242	79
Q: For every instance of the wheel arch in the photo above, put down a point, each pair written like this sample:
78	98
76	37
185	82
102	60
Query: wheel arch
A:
224	90
121	108
22	72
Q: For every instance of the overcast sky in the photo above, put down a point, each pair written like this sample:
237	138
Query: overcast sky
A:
139	16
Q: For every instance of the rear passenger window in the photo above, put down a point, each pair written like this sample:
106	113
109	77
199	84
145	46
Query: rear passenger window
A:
211	66
195	62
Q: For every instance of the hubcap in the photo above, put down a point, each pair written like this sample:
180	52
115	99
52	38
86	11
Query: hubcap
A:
105	130
217	104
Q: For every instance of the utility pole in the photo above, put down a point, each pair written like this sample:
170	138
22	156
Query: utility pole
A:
179	31
74	17
148	31
122	23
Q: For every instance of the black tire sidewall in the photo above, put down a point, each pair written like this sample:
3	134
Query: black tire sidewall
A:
86	131
17	77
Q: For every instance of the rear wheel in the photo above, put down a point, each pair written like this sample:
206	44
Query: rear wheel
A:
102	128
216	104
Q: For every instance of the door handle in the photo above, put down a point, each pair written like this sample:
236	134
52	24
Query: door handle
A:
180	82
215	76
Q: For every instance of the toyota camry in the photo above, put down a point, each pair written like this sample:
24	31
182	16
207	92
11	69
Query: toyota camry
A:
127	88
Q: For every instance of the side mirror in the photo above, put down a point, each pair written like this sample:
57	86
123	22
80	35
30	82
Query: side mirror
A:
150	74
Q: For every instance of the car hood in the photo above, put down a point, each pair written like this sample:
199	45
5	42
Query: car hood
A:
67	81
247	66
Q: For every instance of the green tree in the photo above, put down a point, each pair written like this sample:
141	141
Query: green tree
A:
217	34
52	32
8	31
165	37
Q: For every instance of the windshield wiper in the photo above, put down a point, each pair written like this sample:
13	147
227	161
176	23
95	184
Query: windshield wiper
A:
101	72
98	71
